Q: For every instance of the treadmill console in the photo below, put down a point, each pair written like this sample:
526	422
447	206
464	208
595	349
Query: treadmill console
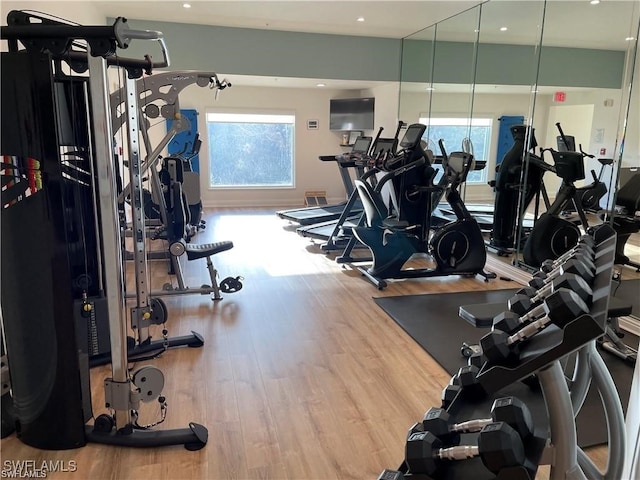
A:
412	136
519	133
385	145
361	145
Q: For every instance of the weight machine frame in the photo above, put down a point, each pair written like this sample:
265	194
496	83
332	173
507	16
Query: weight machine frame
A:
47	39
164	88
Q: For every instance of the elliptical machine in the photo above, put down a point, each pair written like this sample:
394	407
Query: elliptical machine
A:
508	188
552	235
457	248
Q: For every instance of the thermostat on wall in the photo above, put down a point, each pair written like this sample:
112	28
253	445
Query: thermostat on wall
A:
312	124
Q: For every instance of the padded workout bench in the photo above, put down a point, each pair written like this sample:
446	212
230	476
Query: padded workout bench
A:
196	252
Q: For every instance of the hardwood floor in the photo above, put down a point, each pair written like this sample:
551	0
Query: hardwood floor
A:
301	376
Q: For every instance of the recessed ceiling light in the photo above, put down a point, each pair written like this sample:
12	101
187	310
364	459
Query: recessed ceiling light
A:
503	29
629	39
360	19
321	84
594	2
186	5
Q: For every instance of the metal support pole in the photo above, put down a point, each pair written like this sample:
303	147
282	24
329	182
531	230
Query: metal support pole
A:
141	312
110	228
561	424
631	468
614	415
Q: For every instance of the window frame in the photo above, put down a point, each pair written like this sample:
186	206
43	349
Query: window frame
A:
230	113
484	120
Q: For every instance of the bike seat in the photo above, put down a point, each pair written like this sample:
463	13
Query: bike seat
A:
393	223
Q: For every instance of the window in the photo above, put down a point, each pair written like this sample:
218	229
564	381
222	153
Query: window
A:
454	131
250	150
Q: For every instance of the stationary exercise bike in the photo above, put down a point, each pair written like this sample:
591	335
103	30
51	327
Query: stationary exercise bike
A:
588	196
457	248
553	235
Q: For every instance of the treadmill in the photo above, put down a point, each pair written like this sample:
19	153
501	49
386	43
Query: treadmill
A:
326	213
336	233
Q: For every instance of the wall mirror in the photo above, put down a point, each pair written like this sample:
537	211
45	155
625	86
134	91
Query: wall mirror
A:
438	77
581	92
451	112
536	64
508	47
416	75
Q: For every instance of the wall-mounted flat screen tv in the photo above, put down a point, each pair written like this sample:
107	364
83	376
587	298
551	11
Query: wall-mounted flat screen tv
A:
351	113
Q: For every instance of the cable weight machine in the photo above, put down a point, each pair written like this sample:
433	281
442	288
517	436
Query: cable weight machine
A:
48	392
158	95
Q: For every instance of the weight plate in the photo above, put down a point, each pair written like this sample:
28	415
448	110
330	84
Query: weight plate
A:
150	381
158	311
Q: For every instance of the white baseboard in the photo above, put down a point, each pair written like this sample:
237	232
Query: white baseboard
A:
251	202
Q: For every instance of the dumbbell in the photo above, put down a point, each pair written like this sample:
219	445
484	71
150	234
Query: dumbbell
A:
585	254
566	306
578	263
467	379
476	358
466	383
527	298
449	394
510	410
580	249
499	446
580	266
509	321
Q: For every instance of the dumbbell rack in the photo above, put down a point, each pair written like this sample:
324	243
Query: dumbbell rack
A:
554	343
554	441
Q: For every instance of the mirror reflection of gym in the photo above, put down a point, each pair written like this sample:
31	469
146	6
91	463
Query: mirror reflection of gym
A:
581	89
572	84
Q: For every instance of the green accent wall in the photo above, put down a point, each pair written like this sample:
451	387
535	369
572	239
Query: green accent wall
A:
585	67
244	51
500	64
